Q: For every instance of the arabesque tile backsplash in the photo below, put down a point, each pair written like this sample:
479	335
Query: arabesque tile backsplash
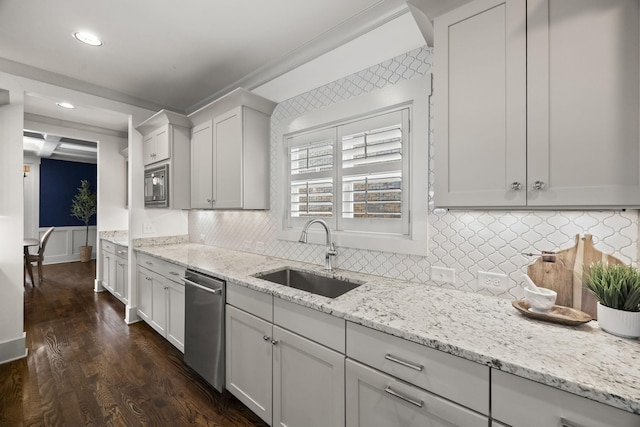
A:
467	241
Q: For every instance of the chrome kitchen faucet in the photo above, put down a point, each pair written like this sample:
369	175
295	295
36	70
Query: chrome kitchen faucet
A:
331	249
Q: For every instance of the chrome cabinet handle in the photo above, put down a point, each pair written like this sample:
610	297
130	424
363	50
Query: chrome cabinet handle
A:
394	359
515	186
274	342
392	392
266	338
148	278
538	185
173	273
566	423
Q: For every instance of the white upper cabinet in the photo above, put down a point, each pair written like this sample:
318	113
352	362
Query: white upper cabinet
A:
537	104
165	139
230	153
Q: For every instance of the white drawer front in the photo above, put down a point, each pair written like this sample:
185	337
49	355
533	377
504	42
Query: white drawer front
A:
171	271
148	262
315	325
449	376
257	303
121	251
108	247
378	400
524	403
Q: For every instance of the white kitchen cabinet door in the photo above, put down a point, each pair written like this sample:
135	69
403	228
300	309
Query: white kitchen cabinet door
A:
145	290
202	166
480	90
158	304
121	285
156	145
227	160
107	270
375	399
583	102
524	403
308	383
249	358
175	312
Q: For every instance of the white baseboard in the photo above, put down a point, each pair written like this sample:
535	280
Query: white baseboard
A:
131	315
14	349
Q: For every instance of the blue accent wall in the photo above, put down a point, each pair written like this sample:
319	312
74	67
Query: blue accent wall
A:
59	182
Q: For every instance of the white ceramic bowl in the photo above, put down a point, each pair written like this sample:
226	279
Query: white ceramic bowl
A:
540	301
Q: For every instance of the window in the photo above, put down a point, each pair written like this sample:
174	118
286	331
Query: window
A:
357	184
362	166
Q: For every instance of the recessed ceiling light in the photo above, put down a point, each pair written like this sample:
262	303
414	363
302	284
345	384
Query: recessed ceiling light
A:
65	105
87	38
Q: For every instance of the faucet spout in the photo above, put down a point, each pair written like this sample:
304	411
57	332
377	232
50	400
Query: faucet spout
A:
331	249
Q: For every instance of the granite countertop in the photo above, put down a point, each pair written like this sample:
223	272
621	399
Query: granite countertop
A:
118	237
583	359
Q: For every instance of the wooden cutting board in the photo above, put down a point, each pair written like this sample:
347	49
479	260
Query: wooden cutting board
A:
562	272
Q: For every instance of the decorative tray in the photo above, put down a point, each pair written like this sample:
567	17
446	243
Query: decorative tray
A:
557	314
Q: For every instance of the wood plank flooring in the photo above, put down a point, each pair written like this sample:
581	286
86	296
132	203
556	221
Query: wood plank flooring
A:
87	367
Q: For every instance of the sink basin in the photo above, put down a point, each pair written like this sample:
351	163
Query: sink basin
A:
305	281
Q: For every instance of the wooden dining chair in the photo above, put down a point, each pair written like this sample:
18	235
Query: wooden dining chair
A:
39	257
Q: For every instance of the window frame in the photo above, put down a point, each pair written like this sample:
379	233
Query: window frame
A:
414	94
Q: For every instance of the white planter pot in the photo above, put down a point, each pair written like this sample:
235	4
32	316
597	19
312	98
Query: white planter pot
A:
624	324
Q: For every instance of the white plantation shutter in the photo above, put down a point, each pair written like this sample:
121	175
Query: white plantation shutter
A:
374	164
311	170
359	184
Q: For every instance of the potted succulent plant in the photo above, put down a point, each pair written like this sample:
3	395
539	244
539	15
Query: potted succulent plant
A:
617	289
83	207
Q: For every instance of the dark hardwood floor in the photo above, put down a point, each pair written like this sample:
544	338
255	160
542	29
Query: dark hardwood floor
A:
87	367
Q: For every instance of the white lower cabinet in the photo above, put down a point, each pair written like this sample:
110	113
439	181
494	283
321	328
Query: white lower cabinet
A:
161	299
285	378
121	287
308	382
519	402
249	355
114	270
375	399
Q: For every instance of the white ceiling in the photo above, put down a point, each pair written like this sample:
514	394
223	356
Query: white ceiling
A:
182	55
174	55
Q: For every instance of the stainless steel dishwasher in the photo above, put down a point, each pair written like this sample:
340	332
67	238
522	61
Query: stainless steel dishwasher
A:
204	327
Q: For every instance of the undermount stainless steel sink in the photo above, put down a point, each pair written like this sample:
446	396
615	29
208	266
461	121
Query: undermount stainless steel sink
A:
305	281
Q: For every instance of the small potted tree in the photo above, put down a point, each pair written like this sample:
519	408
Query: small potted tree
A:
617	289
83	207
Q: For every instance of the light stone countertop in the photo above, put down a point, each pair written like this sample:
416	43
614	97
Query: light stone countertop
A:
583	359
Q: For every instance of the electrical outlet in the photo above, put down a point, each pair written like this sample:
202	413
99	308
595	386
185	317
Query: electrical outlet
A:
147	228
443	274
493	281
260	247
247	245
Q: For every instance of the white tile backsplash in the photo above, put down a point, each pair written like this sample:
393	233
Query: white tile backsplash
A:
467	241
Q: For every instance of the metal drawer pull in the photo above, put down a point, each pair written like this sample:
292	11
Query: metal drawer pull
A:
389	390
404	363
173	273
566	423
148	263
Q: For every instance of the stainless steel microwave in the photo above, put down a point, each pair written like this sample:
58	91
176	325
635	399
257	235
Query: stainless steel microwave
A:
156	187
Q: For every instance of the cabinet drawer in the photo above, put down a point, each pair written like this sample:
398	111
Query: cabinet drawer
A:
120	251
516	400
449	376
108	247
315	325
171	271
147	261
257	303
375	399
